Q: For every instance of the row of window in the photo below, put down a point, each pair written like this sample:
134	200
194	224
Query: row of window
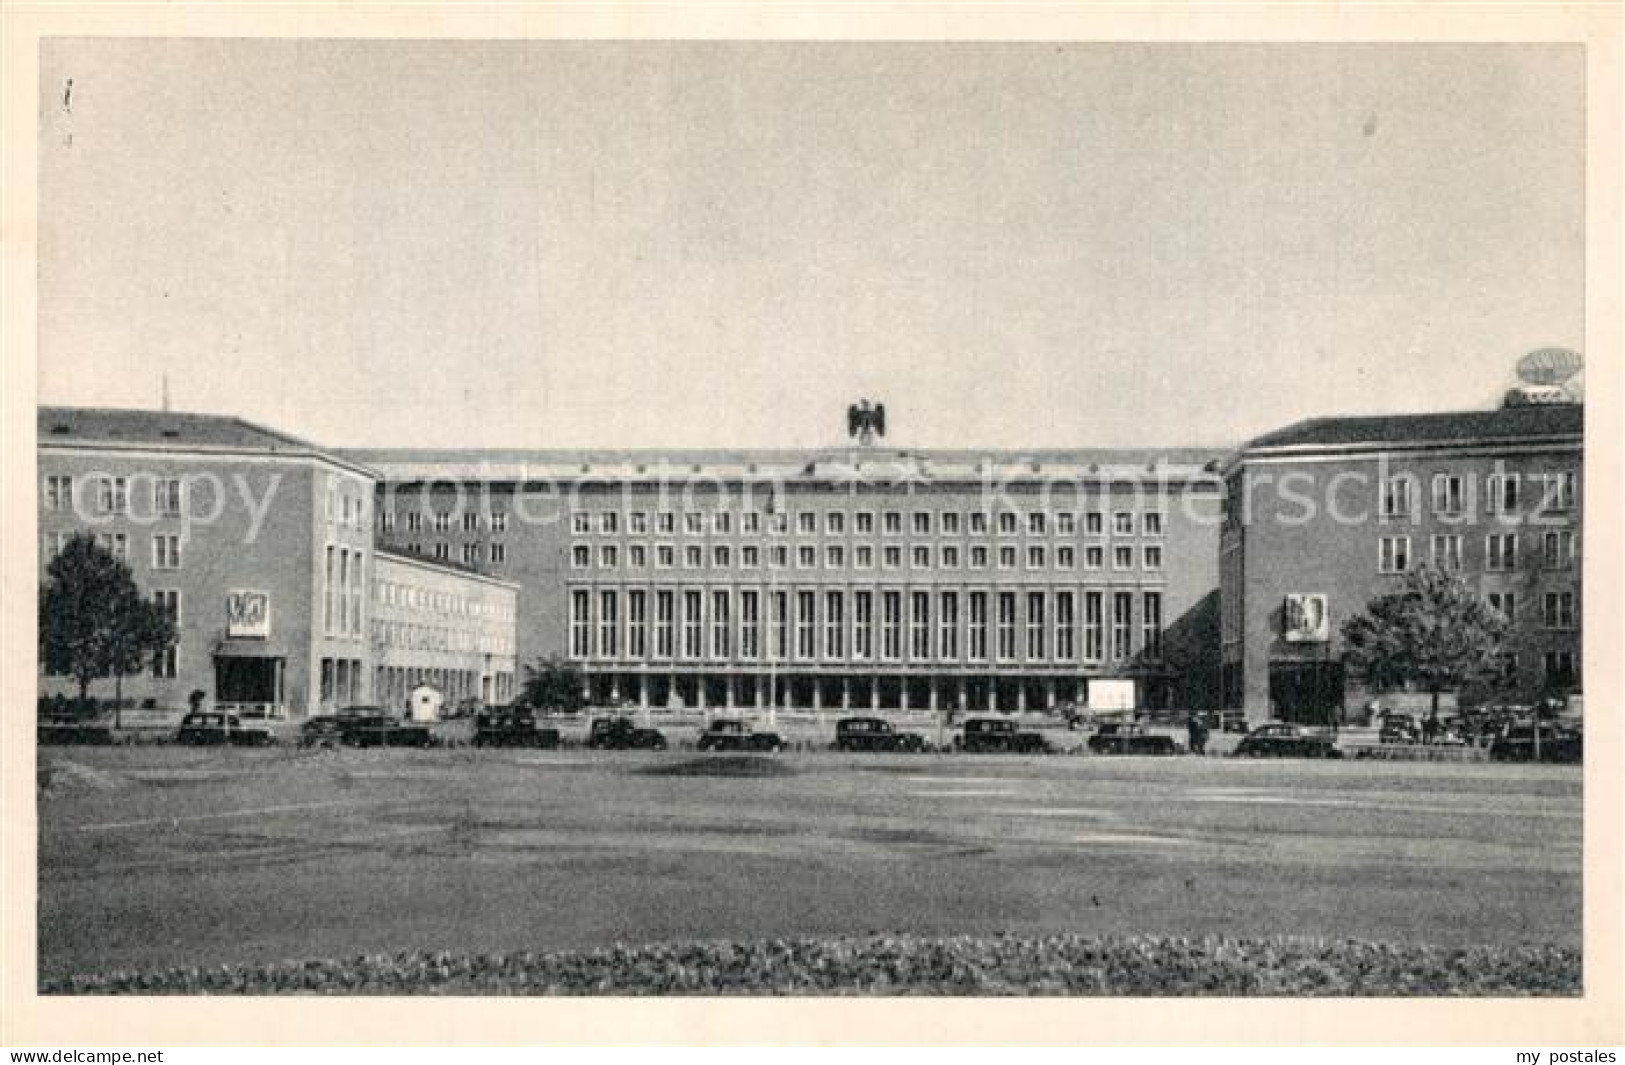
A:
863	522
111	495
392	685
834	556
1502	493
445	521
412	597
863	625
1447	552
415	637
348	503
469	554
341	609
1557	608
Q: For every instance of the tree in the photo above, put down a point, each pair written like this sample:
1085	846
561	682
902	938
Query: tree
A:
93	621
554	684
1435	633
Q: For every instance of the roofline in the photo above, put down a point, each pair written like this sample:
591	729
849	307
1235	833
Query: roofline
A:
1288	452
439	566
210	450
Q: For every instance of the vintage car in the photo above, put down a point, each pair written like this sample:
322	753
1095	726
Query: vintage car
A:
620	734
1279	739
324	730
1538	743
1399	728
207	728
512	726
371	726
70	728
994	734
874	734
732	734
1130	738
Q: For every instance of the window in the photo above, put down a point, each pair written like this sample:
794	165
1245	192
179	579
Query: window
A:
1501	552
722	522
166	551
608	624
112	495
665	556
1123	557
949	523
1446	552
835	556
1007	523
1036	524
978	522
1559	610
919	626
778	556
166	663
864	521
471	523
1007	626
1035	626
892	557
608	556
1447	494
1152	556
806	625
637	556
1066	524
863	625
721	623
721	556
499	554
1560	669
1557	549
1393	554
637	522
581	522
414	521
1122	624
693	523
948	626
1505	603
58	493
1501	493
54	544
750	623
1559	491
666	523
1094	631
750	522
1007	556
835	522
893	523
1037	557
834	624
807	522
694	556
166	497
471	554
922	523
1396	497
920	556
1066	646
863	557
693	631
950	556
1094	557
637	623
806	557
665	617
977	631
1066	557
1151	523
442	522
778	523
978	557
1123	523
1151	624
750	557
387	521
1094	523
580	624
891	625
116	544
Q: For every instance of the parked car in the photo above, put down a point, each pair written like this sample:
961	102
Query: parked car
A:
1130	738
1517	743
874	734
206	728
324	730
370	726
1399	728
512	726
1281	740
620	734
732	734
66	728
988	734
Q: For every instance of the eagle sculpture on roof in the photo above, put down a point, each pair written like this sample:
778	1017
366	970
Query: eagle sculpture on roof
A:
865	420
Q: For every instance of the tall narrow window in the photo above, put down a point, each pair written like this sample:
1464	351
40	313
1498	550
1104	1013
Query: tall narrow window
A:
781	625
1066	647
919	626
1151	624
891	625
976	603
834	623
1094	626
863	624
609	624
1035	626
637	623
1122	624
750	623
721	623
580	624
948	626
166	663
693	624
1007	626
665	623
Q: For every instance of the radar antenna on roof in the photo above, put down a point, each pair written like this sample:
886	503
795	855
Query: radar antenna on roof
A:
1543	373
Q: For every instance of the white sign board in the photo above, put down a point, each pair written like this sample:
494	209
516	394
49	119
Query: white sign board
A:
1304	619
1111	693
248	613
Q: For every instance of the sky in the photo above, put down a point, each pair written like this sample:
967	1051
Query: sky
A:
646	244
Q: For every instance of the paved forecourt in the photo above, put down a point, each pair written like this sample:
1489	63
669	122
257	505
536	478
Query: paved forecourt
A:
160	856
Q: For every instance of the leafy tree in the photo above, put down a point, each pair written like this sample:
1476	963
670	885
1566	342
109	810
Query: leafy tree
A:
1435	634
554	684
93	620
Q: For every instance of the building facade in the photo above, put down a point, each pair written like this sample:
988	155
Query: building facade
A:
1323	516
847	578
450	629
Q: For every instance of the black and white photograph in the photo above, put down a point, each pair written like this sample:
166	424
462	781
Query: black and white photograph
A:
784	519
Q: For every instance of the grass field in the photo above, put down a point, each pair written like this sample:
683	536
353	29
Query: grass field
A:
156	858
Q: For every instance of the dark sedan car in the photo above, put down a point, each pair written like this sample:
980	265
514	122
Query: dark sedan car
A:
1551	743
208	728
512	726
366	726
874	734
993	734
1126	738
732	734
1280	740
322	731
620	734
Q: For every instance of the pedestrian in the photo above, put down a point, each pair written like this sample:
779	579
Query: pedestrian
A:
1430	728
